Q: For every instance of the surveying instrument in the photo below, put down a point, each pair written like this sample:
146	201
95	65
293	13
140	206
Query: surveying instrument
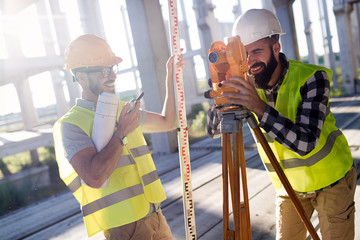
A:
231	61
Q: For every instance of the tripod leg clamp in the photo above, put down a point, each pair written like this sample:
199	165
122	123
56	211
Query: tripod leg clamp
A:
251	121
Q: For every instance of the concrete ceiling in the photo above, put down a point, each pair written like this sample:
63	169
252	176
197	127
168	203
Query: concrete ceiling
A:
14	6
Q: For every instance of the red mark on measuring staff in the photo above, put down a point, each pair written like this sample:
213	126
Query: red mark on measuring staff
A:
174	40
176	22
181	119
182	96
178	81
185	134
186	163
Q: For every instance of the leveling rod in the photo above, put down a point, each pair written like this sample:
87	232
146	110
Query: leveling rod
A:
183	141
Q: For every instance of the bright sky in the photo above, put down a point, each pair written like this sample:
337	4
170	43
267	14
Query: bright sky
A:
26	26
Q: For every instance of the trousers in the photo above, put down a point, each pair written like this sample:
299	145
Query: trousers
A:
335	207
153	227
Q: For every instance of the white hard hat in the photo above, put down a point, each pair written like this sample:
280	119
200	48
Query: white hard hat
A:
256	24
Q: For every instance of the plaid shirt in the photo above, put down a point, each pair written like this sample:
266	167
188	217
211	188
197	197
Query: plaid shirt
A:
301	136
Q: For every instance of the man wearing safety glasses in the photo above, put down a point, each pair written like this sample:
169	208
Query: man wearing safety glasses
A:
129	204
93	72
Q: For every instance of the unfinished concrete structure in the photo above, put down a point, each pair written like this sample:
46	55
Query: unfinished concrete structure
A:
149	41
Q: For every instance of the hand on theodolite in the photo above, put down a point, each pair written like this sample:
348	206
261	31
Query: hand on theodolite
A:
246	95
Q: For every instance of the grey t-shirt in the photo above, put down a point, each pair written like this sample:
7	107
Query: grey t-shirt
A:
75	139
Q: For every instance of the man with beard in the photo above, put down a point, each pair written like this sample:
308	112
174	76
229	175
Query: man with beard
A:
291	102
128	206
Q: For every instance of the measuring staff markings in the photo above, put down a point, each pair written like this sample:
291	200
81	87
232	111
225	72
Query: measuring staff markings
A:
189	216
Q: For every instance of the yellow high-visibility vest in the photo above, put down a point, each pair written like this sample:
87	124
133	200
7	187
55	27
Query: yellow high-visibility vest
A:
328	161
133	185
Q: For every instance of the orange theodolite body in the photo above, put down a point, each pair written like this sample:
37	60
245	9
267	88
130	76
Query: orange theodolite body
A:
226	61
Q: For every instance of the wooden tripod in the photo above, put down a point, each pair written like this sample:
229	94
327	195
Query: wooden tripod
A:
233	163
230	170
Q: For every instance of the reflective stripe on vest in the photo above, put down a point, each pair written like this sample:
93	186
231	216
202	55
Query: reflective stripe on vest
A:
140	151
119	196
150	177
125	160
298	162
328	161
132	186
112	199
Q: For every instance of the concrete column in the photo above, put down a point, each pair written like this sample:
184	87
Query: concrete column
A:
189	75
208	28
266	4
342	11
285	15
308	32
329	53
63	39
61	104
237	10
91	17
152	52
357	45
357	35
58	84
21	84
129	46
28	110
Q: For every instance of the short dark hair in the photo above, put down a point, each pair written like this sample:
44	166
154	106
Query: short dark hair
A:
271	40
275	38
74	71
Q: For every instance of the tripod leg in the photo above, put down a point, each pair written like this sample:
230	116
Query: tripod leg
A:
243	208
226	151
236	192
230	164
299	208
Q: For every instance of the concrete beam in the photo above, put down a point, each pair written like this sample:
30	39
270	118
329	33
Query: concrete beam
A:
15	6
12	68
22	141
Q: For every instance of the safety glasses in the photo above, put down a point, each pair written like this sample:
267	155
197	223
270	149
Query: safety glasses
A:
105	71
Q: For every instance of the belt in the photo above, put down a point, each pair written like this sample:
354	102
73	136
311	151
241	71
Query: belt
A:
154	207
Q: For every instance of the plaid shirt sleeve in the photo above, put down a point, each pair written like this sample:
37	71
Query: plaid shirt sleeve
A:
303	135
212	123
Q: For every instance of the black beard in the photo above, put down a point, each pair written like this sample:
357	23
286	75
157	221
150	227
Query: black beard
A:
94	87
262	79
